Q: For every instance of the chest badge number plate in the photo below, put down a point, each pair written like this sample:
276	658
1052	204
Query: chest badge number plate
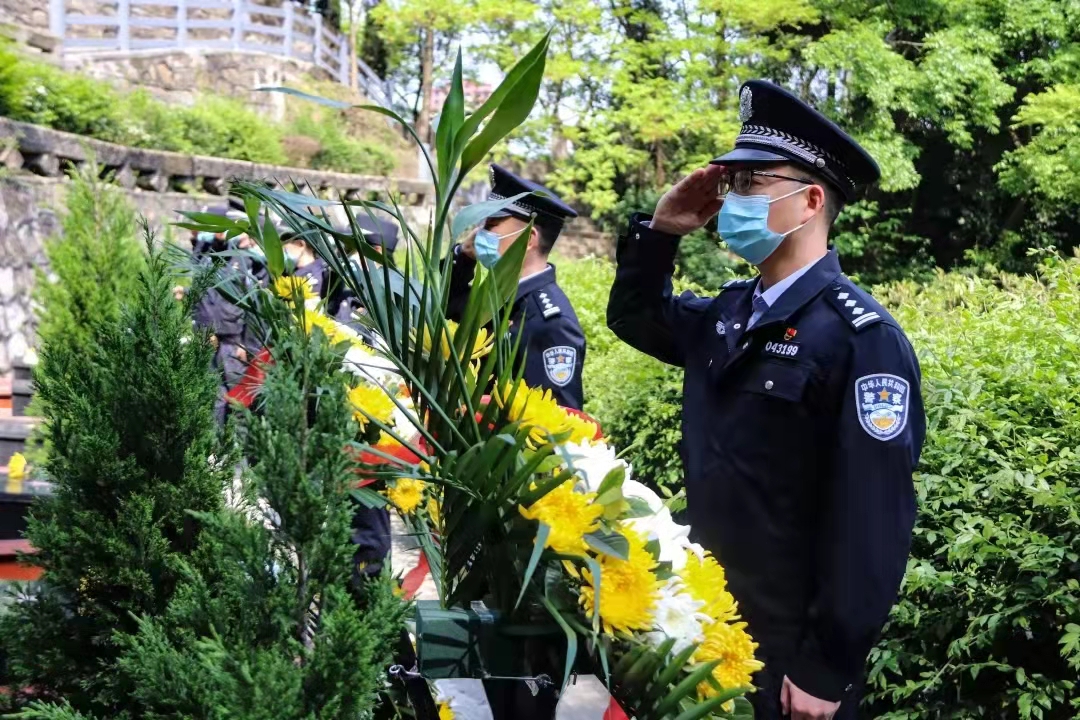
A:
782	349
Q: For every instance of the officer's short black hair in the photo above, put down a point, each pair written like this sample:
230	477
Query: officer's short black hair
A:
547	237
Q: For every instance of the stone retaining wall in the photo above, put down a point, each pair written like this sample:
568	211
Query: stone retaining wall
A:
180	76
159	184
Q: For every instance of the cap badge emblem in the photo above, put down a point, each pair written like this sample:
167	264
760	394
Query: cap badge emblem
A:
746	107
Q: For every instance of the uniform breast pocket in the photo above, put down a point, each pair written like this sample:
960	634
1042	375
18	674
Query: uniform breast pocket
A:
783	381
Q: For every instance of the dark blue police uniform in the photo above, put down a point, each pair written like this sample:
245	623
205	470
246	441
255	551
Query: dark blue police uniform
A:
800	436
552	341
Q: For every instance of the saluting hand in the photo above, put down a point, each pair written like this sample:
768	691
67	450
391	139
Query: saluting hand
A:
800	705
689	205
468	243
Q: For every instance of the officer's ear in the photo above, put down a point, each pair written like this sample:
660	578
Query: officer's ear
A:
534	240
816	201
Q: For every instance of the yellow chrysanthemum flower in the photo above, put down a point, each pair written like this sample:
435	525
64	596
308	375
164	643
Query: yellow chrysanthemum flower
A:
445	713
570	515
17	467
734	648
537	409
370	401
406	494
705	581
289	287
628	589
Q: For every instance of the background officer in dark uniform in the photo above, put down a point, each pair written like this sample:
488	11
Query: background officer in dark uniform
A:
802	413
552	340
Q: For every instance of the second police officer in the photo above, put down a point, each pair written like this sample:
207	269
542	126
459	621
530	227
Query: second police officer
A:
552	340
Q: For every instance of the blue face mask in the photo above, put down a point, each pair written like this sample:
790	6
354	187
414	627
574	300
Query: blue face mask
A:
743	224
487	247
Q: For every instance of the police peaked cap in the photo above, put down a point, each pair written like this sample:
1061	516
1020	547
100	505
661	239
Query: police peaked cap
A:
779	127
550	211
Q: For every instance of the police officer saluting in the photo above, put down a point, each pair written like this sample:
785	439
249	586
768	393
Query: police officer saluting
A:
552	340
802	413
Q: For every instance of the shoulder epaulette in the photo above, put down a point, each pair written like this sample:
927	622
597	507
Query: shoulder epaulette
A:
854	305
738	283
547	309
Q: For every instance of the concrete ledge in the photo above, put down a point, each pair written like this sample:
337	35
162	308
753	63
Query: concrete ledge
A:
49	153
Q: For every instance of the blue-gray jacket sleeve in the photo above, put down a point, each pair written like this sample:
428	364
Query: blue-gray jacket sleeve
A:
642	309
867	512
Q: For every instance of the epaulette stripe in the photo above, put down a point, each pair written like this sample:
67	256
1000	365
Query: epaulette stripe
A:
853	306
863	319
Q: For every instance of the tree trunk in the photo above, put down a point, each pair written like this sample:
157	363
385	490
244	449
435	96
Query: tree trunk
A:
427	67
661	170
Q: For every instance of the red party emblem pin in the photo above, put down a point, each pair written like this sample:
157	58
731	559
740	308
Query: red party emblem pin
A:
789	334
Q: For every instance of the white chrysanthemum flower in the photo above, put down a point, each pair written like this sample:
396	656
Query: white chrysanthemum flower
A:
593	462
678	616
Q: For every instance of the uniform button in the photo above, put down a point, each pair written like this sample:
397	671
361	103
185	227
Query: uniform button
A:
637	236
746	345
768	384
710	362
737	326
848	688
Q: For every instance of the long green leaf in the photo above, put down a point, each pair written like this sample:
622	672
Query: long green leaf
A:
472	124
478	212
542	533
451	119
273	249
612	544
511	112
709	706
571	639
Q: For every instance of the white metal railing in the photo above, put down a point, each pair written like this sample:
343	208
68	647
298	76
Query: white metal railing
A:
285	28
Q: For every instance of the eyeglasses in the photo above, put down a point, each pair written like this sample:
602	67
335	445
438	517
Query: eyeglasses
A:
740	181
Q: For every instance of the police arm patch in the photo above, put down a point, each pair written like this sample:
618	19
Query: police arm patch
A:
881	401
559	364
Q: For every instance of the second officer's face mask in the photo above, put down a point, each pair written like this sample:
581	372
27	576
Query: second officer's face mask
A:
743	223
486	244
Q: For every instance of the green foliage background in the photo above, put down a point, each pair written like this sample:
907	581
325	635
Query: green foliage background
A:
971	107
988	624
39	93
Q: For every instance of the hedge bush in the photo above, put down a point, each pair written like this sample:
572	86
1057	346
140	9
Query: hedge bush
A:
988	624
38	93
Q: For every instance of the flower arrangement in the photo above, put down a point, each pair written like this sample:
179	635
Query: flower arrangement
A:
516	501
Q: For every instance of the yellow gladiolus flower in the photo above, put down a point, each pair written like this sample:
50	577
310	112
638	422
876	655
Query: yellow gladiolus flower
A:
406	494
371	401
628	589
336	332
536	409
434	511
705	581
570	515
734	648
289	287
483	344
